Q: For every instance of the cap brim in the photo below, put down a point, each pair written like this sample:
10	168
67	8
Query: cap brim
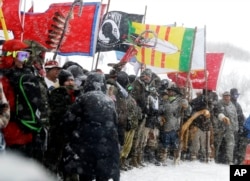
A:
50	67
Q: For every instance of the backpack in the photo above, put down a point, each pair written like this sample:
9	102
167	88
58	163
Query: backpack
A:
30	106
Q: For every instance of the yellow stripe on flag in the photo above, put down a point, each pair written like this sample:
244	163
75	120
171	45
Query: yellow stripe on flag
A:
177	36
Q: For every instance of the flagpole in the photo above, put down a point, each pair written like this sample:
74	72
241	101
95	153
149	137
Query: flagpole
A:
98	54
143	66
188	82
205	65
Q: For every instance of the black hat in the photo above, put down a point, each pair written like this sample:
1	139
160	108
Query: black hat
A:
234	91
64	75
175	89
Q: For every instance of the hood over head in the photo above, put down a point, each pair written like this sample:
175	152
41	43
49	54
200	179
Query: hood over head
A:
95	81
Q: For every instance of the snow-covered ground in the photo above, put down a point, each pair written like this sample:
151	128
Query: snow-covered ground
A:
185	171
16	168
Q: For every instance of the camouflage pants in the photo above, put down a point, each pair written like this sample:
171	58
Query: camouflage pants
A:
138	139
228	137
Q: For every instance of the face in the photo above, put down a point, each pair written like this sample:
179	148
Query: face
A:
145	78
69	83
226	98
20	58
171	93
53	72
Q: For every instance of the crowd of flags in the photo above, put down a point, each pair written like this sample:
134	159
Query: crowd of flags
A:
177	49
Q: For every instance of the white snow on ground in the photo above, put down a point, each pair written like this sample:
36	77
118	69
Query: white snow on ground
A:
185	171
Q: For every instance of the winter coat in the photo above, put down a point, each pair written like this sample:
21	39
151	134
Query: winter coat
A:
140	94
228	110
173	113
60	100
247	126
13	133
90	126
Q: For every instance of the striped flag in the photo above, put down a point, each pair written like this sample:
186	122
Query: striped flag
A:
173	46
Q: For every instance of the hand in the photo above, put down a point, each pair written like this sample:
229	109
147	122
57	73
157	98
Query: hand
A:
226	120
206	114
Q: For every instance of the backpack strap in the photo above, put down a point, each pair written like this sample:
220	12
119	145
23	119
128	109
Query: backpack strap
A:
28	123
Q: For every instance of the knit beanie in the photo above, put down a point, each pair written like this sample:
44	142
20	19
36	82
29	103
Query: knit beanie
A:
64	75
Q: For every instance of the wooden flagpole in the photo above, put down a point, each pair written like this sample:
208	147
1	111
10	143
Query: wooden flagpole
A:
205	66
143	66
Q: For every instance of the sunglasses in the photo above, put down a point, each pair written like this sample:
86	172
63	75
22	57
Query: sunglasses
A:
22	56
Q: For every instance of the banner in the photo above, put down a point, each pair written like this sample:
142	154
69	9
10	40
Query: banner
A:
173	46
197	77
80	34
114	30
11	13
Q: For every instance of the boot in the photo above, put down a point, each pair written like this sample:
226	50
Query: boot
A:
152	156
133	162
163	156
177	156
140	160
122	164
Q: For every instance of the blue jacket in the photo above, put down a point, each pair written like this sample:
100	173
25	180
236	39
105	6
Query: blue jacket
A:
247	126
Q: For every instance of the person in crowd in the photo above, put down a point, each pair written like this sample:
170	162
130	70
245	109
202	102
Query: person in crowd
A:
120	99
52	71
246	127
4	117
200	131
59	101
227	126
21	87
240	136
151	132
78	73
172	111
133	114
140	92
91	124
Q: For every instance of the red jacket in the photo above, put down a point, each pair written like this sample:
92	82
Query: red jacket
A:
13	133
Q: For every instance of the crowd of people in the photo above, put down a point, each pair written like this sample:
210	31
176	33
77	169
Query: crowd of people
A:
84	125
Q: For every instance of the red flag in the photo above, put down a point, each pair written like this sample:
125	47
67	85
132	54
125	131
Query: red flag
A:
11	14
80	36
197	77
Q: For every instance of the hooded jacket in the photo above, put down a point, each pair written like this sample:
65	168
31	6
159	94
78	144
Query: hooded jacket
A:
91	125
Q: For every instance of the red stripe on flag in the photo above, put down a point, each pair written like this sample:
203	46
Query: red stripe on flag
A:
153	51
163	56
143	55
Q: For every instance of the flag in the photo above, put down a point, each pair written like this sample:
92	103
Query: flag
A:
11	13
114	30
197	77
177	43
198	58
81	32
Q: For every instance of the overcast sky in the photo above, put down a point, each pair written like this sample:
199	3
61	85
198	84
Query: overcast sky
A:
226	21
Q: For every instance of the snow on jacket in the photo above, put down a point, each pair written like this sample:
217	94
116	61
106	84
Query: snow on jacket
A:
90	126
